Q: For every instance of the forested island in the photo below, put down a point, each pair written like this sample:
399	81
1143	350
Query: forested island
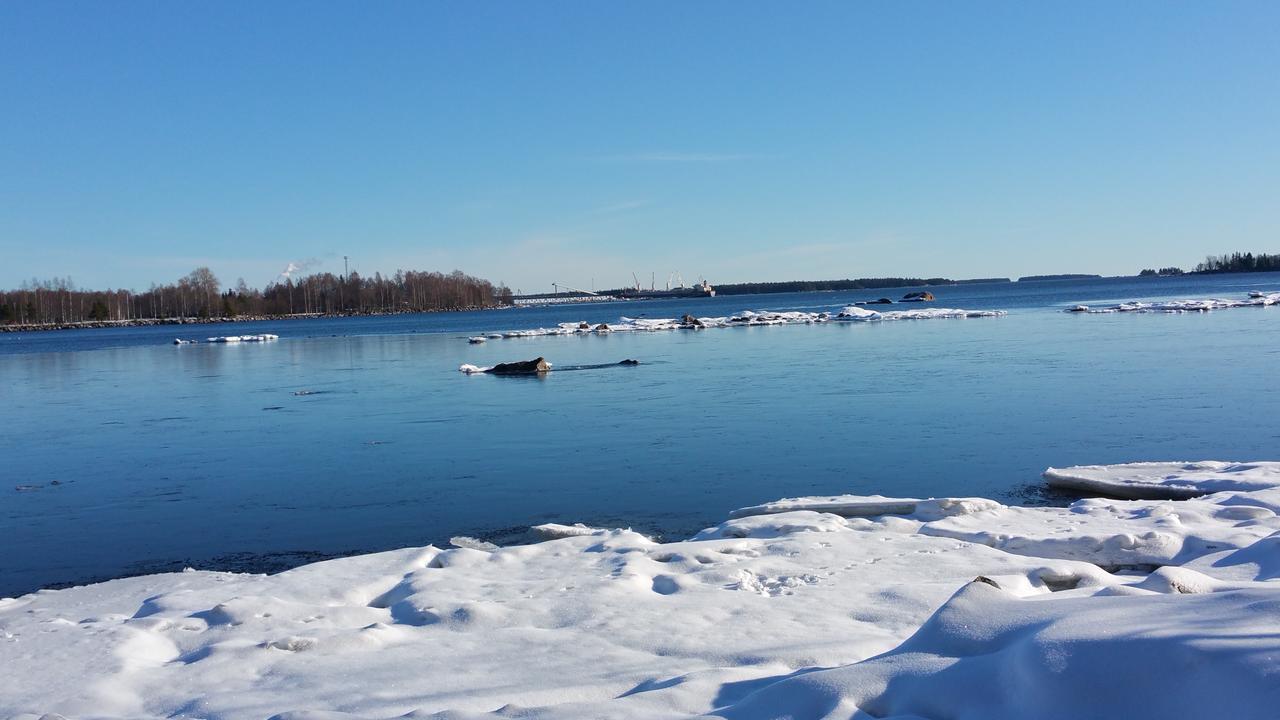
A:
1236	262
829	285
1067	276
1239	263
199	296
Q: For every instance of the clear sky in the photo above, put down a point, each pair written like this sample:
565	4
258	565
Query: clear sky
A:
579	142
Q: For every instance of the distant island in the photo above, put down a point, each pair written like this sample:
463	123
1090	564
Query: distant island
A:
1068	276
847	284
1238	263
1162	272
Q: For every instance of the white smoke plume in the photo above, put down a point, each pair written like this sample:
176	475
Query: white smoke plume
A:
295	267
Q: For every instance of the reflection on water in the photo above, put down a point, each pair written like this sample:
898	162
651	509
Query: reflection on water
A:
154	456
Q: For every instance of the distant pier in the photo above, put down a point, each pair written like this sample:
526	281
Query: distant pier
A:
562	298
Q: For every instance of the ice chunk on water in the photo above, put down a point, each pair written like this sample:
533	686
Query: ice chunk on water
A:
748	318
1255	299
264	337
553	531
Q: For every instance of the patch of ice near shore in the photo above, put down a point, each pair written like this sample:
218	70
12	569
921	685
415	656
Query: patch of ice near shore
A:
472	369
1255	299
555	531
1177	480
750	318
792	612
868	505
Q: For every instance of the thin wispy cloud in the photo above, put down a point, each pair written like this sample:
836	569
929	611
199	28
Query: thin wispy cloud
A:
618	207
679	157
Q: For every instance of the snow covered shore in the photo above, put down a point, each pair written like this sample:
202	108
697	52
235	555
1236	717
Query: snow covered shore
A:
840	607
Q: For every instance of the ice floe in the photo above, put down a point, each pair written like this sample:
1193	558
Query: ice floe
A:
1255	299
264	337
1165	479
823	607
748	318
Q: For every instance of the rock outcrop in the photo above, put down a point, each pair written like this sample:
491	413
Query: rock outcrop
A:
523	367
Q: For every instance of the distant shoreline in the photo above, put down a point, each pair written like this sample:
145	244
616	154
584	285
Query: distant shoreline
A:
147	322
755	289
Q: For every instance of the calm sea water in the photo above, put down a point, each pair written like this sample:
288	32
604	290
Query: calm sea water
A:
122	453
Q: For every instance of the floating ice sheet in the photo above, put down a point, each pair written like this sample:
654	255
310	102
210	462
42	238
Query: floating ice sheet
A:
1255	299
1165	479
264	337
749	318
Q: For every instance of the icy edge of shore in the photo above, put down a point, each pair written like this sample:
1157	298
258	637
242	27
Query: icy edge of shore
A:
809	607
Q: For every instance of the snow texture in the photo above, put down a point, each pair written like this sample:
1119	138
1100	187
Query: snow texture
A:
824	607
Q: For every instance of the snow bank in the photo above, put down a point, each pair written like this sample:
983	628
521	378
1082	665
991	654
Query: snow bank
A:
1255	299
988	654
748	318
1165	479
836	606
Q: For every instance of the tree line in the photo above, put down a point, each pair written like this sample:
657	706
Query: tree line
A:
826	285
1239	262
201	295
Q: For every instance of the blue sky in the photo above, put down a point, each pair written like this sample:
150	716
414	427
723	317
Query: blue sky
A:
575	142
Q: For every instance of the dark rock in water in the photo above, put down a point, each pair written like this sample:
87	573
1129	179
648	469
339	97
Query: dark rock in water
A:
691	321
629	361
524	367
602	327
881	301
584	326
922	296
